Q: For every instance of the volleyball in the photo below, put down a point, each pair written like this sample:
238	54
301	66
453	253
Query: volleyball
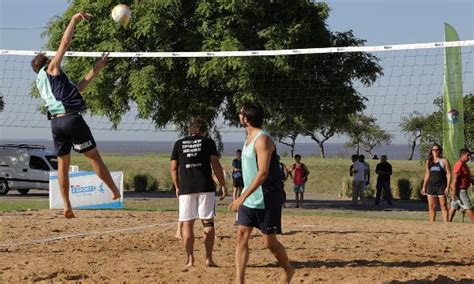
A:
121	14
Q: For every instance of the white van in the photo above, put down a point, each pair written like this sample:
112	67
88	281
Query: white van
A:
24	167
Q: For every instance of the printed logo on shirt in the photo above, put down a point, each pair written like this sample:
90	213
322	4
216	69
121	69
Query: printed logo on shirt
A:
192	148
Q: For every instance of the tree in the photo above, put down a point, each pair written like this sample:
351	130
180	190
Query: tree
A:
285	130
413	126
364	131
2	104
172	90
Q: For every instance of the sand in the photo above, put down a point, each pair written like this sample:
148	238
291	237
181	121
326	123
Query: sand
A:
129	246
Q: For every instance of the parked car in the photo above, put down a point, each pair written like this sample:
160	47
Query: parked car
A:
24	167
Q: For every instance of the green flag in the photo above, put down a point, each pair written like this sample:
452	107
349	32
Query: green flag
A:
453	109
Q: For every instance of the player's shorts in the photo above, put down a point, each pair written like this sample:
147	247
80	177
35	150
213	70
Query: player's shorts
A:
268	220
197	206
436	189
71	131
238	182
462	201
298	188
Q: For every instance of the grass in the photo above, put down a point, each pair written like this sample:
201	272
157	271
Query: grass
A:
325	178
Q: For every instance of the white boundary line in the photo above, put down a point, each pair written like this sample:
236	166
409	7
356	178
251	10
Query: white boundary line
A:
86	234
251	52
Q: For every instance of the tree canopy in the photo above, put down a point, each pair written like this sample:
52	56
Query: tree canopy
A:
172	90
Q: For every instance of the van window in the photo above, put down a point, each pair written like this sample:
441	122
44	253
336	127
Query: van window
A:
53	160
37	163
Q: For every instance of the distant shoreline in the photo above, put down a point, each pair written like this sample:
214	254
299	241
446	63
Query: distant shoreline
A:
135	148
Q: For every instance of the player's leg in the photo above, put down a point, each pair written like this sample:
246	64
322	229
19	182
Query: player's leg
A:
63	179
102	172
444	207
206	211
432	200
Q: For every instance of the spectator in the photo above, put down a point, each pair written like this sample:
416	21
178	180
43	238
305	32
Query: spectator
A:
300	173
357	171
460	186
436	182
384	172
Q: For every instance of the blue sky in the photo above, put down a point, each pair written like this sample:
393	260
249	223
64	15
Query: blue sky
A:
378	21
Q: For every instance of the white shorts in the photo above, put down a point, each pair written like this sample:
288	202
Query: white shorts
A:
197	206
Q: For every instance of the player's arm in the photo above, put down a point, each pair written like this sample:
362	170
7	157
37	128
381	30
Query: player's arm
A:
217	167
174	175
54	66
306	171
94	71
263	149
427	176
448	175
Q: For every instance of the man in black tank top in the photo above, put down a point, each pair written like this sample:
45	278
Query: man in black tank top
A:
68	127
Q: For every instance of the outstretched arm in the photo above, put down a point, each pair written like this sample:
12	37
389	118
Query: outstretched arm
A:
94	71
54	66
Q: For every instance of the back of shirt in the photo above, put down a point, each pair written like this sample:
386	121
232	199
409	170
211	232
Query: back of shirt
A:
193	154
464	175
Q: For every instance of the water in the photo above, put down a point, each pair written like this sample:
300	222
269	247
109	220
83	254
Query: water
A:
394	152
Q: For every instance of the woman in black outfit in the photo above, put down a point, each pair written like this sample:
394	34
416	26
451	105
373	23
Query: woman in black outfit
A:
436	182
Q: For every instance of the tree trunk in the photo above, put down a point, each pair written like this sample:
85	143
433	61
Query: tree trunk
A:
292	150
413	146
321	150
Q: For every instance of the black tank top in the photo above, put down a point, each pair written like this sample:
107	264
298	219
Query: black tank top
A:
66	92
437	174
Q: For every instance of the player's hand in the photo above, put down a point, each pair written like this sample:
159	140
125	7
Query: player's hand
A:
446	191
423	191
222	192
234	206
177	192
102	61
81	16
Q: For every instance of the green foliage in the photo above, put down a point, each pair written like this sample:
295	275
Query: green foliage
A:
364	131
416	186
172	90
413	126
144	182
404	189
346	188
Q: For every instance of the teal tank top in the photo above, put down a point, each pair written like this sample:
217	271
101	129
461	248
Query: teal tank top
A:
249	171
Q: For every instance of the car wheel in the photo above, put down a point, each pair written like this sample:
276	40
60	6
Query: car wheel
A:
4	187
23	190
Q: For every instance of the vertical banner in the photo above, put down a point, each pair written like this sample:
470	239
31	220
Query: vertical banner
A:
453	109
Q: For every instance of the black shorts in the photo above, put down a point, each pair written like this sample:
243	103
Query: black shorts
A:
268	221
436	189
238	182
71	131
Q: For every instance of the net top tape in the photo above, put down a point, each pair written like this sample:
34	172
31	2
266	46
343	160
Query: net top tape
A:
249	52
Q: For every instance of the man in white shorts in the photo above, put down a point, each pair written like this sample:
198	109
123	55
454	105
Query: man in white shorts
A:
191	172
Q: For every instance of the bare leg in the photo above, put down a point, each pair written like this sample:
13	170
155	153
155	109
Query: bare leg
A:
102	172
242	252
470	213
452	212
432	208
179	231
297	199
209	237
301	198
63	179
188	240
444	208
279	252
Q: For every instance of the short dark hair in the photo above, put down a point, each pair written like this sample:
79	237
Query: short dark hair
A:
197	125
355	157
39	61
238	151
297	156
254	113
361	157
464	151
